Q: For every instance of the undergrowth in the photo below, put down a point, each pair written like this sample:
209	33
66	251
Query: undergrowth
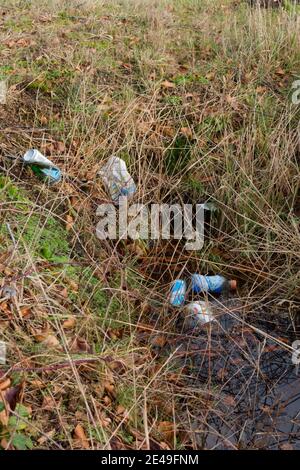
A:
196	98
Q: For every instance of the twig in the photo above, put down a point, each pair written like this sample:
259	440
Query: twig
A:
11	234
57	366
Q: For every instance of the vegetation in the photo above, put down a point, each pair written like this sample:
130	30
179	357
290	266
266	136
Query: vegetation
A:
195	96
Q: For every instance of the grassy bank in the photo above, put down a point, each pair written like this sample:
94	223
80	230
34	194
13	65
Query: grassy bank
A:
196	97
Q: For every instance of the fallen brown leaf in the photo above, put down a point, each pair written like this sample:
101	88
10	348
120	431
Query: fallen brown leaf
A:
286	446
4	444
187	132
4	384
104	420
120	410
107	400
25	312
60	147
229	400
167	131
47	435
82	345
47	148
110	389
64	293
74	286
158	341
69	222
69	323
167	84
79	435
261	89
280	71
4	416
232	101
50	342
43	120
49	403
167	430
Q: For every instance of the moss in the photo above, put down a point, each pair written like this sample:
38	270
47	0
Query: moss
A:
39	85
5	71
173	100
47	238
190	78
43	234
126	396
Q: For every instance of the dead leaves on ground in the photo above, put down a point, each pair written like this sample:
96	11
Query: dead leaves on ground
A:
69	324
166	84
187	132
69	222
9	396
80	437
53	147
167	430
46	338
21	42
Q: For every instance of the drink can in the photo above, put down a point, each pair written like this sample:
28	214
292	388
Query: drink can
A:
177	294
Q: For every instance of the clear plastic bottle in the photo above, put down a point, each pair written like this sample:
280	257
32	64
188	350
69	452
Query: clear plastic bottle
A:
213	284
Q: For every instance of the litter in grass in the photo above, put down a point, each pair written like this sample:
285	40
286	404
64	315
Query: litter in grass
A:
42	166
117	179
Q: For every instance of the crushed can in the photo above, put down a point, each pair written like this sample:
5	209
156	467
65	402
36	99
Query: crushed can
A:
199	313
177	293
42	166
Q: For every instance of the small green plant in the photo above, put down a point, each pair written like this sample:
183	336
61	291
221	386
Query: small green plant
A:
14	431
173	100
190	78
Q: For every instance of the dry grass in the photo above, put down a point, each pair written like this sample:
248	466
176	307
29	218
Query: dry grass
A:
93	79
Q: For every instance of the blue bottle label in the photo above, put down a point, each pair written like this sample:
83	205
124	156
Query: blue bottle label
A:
213	284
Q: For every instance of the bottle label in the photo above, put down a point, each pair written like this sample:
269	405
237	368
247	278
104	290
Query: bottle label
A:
213	284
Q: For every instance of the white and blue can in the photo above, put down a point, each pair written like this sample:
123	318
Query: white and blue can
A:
177	293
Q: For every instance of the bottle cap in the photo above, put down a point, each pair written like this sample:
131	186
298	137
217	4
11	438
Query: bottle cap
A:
233	284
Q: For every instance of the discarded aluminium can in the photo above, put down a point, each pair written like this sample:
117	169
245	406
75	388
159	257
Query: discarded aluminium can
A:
42	166
177	293
53	175
214	284
200	312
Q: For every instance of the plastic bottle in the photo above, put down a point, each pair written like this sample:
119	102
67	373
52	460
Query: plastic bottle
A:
213	284
199	312
177	293
117	179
